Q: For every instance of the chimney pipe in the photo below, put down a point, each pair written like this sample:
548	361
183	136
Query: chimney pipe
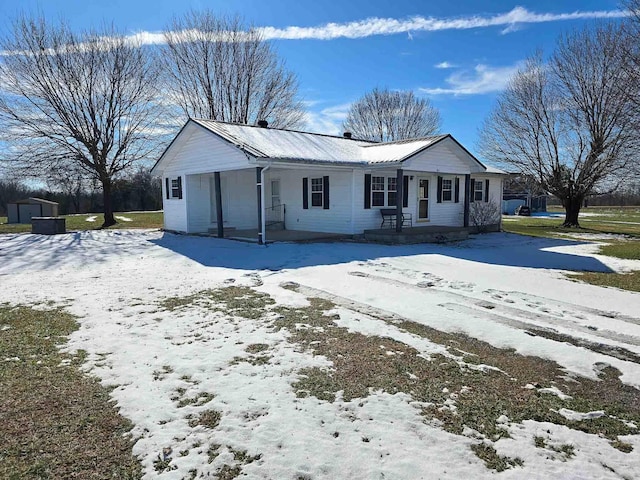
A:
263	123
346	134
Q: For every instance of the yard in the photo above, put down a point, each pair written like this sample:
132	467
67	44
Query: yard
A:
88	221
345	360
616	229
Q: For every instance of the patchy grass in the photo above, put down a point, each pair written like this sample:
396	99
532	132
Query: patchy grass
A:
620	221
79	222
628	250
55	422
208	418
492	460
625	281
462	393
237	301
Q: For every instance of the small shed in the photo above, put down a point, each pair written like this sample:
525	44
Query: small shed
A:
23	210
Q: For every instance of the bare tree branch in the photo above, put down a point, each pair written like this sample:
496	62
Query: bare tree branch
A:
568	123
384	115
218	69
75	102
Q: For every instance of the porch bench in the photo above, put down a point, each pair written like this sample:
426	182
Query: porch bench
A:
389	218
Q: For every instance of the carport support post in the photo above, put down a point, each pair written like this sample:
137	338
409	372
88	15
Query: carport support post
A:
467	199
259	192
216	178
399	197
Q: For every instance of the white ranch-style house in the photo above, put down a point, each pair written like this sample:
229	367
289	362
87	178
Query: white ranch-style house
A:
224	178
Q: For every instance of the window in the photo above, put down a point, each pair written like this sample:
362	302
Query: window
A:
384	191
478	192
316	192
392	191
377	191
173	187
447	189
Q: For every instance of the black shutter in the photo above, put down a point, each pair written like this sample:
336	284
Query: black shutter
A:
305	193
472	192
367	190
325	191
486	190
166	184
180	188
457	190
439	190
405	191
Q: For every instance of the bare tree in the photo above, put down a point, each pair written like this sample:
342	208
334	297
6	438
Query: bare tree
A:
75	100
566	123
385	115
220	70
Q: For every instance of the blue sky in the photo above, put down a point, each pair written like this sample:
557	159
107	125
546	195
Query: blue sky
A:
457	53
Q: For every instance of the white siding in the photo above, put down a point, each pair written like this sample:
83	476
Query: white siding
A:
174	210
239	200
337	219
198	151
445	213
444	157
495	188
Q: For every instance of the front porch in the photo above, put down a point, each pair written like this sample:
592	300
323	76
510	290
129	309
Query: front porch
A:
423	234
251	235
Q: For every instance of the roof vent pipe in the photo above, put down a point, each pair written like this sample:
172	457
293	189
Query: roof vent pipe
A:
346	134
263	123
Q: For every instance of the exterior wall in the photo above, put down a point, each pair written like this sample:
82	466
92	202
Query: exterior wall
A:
447	157
175	210
198	151
495	195
446	213
239	201
12	213
337	219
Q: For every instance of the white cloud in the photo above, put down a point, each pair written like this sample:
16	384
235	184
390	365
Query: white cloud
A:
444	65
328	120
483	79
390	26
511	21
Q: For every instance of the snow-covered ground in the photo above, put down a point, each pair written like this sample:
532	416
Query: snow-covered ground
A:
492	287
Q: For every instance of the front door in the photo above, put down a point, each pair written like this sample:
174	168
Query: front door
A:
423	199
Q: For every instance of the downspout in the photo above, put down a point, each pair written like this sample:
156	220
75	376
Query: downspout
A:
263	227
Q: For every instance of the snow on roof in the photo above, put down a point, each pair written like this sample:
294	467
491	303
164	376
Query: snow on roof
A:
491	169
314	147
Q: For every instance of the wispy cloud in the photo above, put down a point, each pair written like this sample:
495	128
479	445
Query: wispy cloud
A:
327	120
444	65
483	79
391	26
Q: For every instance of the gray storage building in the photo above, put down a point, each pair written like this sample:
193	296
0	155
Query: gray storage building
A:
22	210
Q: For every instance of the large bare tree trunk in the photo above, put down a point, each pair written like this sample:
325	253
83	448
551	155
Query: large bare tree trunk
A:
109	219
572	211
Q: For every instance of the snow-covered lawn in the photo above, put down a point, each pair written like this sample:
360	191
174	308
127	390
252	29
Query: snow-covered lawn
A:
239	380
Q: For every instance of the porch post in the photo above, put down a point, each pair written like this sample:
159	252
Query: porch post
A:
399	197
259	192
216	178
467	198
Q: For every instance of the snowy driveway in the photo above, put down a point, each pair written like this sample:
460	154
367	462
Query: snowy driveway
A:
168	365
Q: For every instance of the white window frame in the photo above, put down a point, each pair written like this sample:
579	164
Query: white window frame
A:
314	190
385	190
175	188
450	189
480	190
